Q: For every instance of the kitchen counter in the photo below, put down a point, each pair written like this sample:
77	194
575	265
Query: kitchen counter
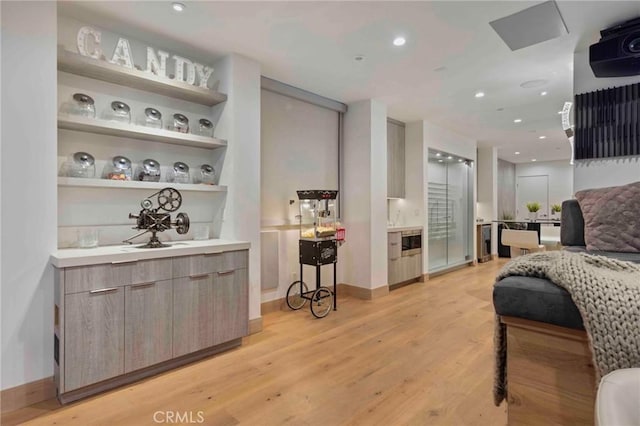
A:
64	258
403	228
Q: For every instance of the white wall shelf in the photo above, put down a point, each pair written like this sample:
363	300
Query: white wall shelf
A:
133	131
102	70
107	183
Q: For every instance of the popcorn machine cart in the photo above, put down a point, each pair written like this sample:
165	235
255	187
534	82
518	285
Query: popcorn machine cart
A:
319	239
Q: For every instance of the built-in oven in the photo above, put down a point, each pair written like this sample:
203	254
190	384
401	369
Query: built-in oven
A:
411	242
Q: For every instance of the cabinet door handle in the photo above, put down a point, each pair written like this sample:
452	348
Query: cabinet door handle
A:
143	285
103	290
393	244
230	271
120	262
198	276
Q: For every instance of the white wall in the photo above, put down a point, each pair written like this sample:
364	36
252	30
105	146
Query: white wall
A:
487	195
365	194
240	123
28	189
506	188
606	172
560	178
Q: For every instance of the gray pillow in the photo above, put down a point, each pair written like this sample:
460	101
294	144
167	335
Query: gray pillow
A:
611	217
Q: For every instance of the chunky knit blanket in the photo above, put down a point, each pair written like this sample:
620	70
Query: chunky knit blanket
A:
607	294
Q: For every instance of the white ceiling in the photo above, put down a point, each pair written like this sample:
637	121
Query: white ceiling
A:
451	53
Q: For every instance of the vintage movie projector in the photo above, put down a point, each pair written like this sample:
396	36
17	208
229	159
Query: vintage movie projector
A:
158	219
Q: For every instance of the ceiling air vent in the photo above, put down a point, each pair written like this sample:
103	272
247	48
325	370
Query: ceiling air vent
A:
531	26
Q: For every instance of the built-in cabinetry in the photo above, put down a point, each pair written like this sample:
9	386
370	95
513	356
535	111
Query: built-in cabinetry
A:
115	319
404	265
82	201
395	159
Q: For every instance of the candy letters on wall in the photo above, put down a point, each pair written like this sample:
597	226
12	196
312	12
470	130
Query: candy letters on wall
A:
89	44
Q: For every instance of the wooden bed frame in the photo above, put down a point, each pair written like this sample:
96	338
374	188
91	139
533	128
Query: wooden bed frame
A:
550	374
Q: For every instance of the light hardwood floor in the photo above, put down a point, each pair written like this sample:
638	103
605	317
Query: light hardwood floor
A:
421	356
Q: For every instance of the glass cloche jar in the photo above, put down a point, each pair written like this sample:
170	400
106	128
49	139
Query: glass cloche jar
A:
179	173
120	112
206	175
118	169
82	105
81	165
152	118
148	171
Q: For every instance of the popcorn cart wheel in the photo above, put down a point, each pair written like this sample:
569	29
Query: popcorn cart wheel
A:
321	299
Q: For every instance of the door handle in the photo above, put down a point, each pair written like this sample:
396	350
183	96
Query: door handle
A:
143	285
230	271
103	290
121	262
198	276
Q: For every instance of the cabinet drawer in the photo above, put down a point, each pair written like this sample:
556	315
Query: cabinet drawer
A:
395	237
144	271
394	249
200	264
86	278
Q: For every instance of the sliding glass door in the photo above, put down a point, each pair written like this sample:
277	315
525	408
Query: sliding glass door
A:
450	232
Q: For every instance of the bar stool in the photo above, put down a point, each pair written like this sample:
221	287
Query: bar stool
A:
521	242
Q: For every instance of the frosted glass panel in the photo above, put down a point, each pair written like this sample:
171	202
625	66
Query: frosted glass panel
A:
450	183
438	214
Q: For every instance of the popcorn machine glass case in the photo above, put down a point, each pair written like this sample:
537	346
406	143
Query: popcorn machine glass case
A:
317	214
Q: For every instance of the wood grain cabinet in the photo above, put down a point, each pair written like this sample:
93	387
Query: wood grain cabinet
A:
193	307
94	336
148	319
230	305
401	268
116	323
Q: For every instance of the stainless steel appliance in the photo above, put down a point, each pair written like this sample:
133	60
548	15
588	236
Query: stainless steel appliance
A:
411	242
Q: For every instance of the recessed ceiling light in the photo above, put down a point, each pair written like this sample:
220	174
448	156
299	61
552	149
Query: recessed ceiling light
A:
449	158
440	161
517	153
559	112
518	120
542	137
543	93
438	154
534	160
399	41
460	160
479	95
178	7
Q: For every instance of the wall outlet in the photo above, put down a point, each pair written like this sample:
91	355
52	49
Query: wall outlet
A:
294	277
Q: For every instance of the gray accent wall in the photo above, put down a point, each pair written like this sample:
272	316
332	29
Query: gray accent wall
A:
506	188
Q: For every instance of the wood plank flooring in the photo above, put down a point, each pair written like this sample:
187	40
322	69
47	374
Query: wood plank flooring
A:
421	356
